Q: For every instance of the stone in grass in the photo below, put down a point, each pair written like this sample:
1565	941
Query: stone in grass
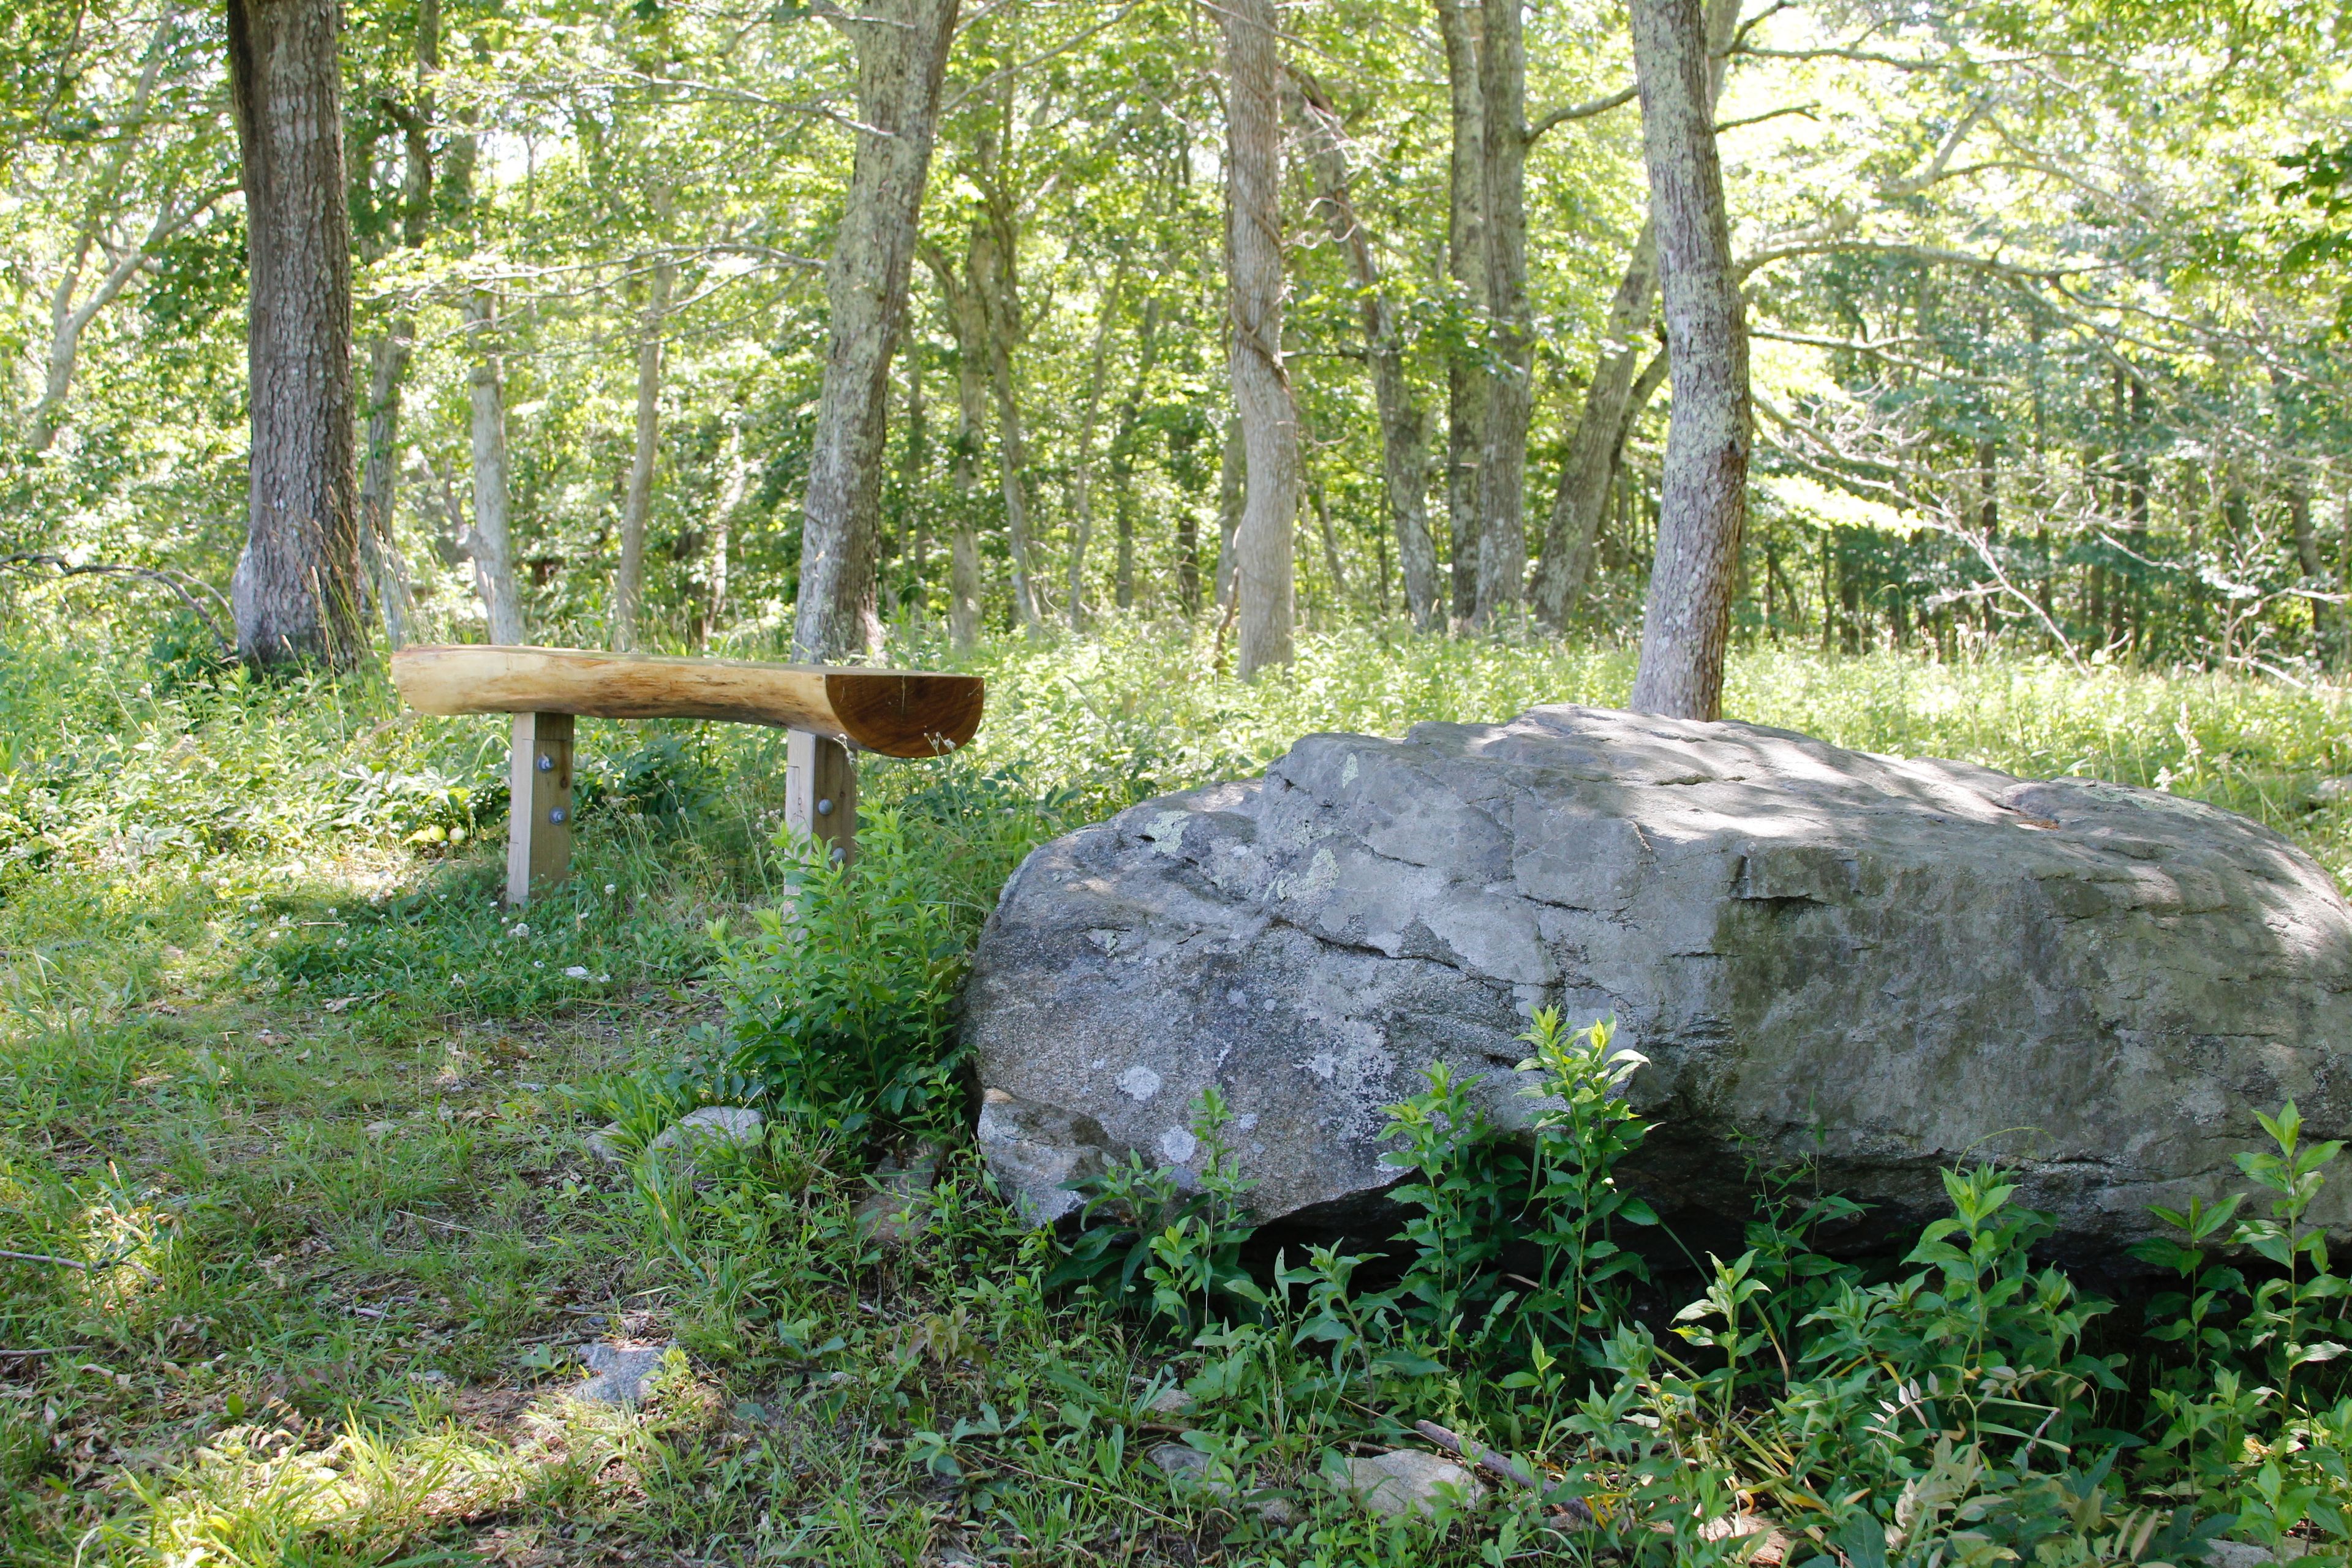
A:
606	1144
2245	1554
622	1373
895	1211
1189	1466
2325	793
1407	1481
714	1126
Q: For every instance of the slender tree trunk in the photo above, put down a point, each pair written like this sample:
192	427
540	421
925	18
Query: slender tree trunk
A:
902	47
1233	473
1122	450
722	525
1264	560
993	279
1613	399
1465	264
1405	434
296	591
388	367
67	318
914	462
1702	500
967	324
629	582
1082	512
491	541
1584	477
1511	383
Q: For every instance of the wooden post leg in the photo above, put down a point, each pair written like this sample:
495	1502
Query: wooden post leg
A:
821	790
538	804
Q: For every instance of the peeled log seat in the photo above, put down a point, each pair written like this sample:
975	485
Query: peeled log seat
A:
898	713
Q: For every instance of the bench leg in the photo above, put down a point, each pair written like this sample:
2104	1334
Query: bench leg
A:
538	804
821	790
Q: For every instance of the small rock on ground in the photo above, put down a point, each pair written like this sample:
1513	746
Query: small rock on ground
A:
2326	793
1410	1481
2245	1554
896	1210
622	1373
714	1126
604	1143
1185	1463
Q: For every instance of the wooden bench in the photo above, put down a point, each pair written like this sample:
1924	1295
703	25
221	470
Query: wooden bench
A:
825	710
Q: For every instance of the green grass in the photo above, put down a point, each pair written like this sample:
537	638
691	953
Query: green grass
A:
275	1066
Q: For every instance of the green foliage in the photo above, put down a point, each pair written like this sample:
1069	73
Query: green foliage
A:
840	1001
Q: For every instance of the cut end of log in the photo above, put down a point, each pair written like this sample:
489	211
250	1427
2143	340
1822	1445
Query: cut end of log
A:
892	712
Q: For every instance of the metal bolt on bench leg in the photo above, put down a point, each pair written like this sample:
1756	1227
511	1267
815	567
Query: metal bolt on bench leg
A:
538	804
821	792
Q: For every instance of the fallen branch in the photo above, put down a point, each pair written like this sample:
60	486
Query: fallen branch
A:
180	582
98	1267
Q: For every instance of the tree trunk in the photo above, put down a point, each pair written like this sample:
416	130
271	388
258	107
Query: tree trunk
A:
992	278
1703	498
1613	399
722	527
1575	521
296	589
1122	450
629	582
68	319
1466	266
388	367
1232	489
970	331
1264	560
1082	510
1404	439
902	47
491	541
1510	380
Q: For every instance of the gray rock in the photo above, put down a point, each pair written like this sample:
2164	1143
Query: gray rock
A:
2245	1554
1191	1467
1407	1481
899	1206
1930	963
2327	793
622	1373
606	1144
713	1127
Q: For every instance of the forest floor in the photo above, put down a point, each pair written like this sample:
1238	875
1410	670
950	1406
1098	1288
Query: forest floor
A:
300	1231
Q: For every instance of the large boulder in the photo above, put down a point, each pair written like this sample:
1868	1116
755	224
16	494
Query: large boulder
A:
1889	966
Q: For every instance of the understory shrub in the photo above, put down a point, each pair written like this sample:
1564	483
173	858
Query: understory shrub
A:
1953	1407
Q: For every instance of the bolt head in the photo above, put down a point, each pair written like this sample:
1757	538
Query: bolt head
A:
825	807
546	763
557	814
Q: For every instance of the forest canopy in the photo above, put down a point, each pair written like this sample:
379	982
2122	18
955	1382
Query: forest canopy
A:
2045	306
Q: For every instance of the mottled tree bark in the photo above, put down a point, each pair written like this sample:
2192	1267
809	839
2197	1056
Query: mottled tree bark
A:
1122	451
1232	491
902	47
722	526
629	581
1703	499
388	366
1264	561
296	591
1465	266
1510	380
1584	476
972	419
1610	400
1082	507
489	540
1404	432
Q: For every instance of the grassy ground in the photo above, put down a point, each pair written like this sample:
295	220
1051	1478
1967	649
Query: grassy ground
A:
301	1224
